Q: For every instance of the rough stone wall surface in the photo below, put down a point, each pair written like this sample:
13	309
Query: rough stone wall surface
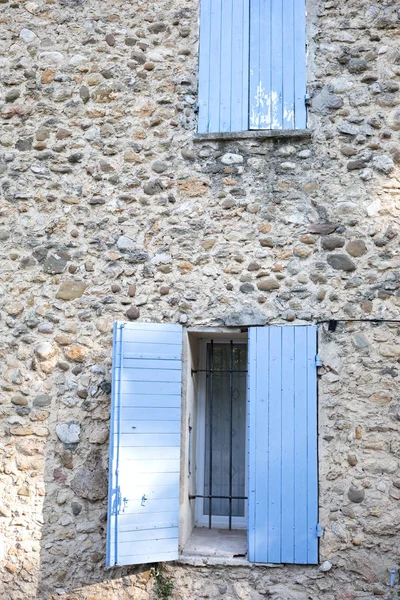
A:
109	210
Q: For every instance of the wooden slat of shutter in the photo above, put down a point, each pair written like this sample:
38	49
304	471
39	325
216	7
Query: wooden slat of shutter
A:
143	511
277	64
223	66
283	489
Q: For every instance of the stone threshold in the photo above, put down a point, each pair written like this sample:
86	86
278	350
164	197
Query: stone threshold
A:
221	561
254	135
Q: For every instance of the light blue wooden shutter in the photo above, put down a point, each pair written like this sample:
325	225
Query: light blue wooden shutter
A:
144	444
277	64
283	482
224	66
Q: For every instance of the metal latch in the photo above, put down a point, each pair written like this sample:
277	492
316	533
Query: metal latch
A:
320	530
318	361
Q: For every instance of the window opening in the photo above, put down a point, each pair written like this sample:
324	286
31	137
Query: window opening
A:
222	481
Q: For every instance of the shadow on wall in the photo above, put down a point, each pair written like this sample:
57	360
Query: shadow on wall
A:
73	530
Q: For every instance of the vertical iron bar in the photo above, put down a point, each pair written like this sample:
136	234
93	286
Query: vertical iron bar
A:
230	431
211	432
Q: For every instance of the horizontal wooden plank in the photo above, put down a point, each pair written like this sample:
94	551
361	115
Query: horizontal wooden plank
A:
150	400
150	440
127	453
145	427
151	375
150	414
132	361
143	326
148	520
146	547
145	481
150	351
140	387
150	506
147	558
135	492
158	337
142	535
152	466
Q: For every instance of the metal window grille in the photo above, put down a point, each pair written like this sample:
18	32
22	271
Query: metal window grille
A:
210	371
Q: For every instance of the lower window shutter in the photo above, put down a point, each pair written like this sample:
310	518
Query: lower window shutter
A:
143	505
283	472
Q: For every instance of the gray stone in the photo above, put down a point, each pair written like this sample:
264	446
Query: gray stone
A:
356	495
153	187
27	35
24	144
341	262
245	318
231	159
159	166
76	508
90	481
325	101
41	400
394	119
323	228
247	288
68	433
56	263
357	65
84	93
70	290
326	566
347	129
125	243
383	163
332	242
360	341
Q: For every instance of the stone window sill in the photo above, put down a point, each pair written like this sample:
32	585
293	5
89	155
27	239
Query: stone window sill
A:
254	135
221	561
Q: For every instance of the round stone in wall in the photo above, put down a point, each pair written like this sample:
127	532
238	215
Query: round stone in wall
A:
356	495
68	433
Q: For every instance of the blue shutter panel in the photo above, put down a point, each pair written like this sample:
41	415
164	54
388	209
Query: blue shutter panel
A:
283	482
277	64
224	66
143	504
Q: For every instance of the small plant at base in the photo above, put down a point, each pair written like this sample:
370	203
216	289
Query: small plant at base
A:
163	583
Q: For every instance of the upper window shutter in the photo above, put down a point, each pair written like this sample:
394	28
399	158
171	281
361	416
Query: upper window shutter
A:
143	503
283	482
277	64
224	66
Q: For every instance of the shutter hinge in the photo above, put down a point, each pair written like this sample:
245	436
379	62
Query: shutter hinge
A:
320	530
318	361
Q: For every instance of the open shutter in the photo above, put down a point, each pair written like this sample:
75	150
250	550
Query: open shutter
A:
143	501
283	482
277	64
224	66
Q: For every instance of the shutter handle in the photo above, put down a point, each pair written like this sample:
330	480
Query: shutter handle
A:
143	499
125	501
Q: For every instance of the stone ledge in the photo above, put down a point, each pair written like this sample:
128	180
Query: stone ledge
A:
254	135
221	561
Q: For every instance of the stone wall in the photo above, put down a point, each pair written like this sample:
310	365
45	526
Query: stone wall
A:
109	210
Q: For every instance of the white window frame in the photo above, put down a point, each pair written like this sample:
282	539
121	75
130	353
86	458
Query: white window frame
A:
201	519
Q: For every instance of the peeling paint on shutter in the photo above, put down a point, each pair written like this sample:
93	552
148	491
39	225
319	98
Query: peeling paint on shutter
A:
283	483
277	64
224	66
143	503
